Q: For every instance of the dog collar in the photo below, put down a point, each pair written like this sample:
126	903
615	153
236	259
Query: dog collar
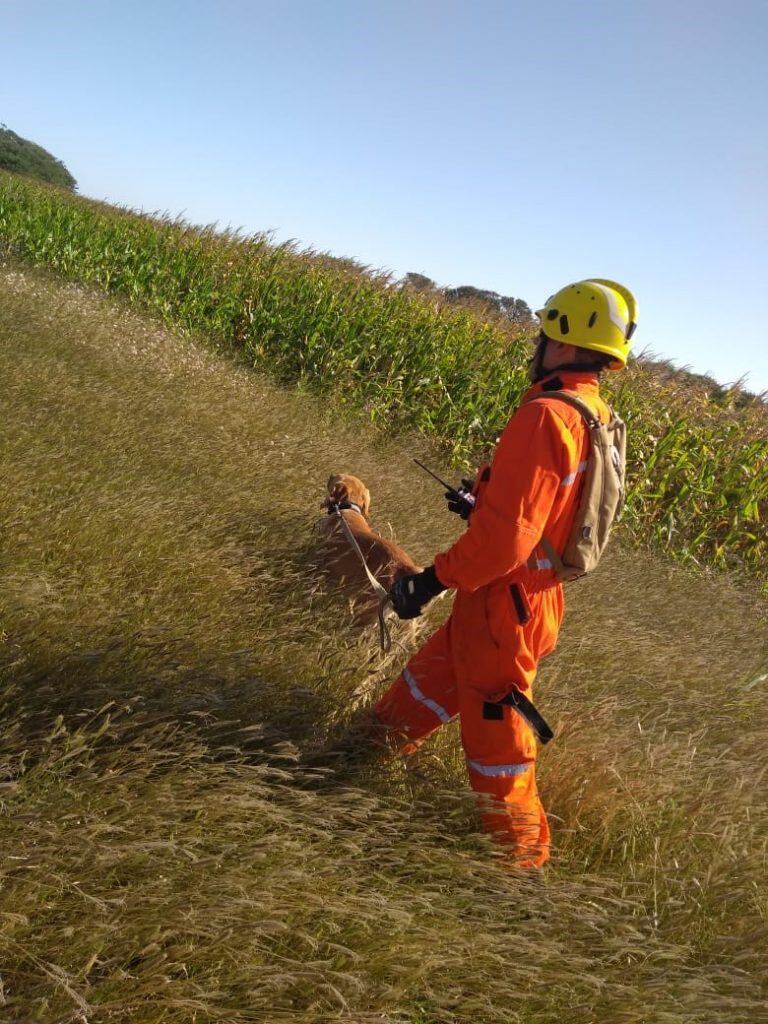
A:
343	505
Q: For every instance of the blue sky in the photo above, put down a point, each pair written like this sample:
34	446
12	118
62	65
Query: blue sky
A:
515	146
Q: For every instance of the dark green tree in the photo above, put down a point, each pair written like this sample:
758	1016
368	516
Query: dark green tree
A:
517	311
20	156
419	282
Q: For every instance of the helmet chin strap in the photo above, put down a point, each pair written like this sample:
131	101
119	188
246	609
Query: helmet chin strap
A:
536	362
538	372
577	368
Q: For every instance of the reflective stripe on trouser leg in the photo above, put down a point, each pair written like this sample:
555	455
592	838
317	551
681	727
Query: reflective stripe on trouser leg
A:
423	697
512	813
501	755
497	771
418	694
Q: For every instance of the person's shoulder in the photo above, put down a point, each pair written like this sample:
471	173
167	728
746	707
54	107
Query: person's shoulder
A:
544	411
570	415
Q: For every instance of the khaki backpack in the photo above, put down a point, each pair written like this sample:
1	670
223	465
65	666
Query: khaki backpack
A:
602	496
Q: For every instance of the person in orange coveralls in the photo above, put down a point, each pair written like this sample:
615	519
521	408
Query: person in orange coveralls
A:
509	604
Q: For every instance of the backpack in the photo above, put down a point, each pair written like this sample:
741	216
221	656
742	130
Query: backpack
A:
602	496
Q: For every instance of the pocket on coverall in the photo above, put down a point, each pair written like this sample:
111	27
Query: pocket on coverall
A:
513	627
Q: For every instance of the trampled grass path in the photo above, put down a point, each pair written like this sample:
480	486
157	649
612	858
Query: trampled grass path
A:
168	652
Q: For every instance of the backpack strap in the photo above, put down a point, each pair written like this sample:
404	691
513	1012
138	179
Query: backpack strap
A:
576	402
555	559
592	421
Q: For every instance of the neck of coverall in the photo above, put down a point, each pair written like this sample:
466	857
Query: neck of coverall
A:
565	380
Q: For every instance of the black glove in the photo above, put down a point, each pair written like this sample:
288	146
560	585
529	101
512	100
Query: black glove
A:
462	501
409	594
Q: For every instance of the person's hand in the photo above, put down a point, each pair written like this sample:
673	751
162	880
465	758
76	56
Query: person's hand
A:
461	501
409	594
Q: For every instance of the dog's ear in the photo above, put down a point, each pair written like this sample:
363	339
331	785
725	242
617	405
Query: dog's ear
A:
337	490
366	502
328	499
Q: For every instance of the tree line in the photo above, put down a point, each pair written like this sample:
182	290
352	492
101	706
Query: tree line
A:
20	156
516	311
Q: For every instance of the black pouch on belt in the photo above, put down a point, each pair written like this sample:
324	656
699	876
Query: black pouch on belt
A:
526	708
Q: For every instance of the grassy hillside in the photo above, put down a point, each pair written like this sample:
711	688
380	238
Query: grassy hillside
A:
698	462
20	156
168	654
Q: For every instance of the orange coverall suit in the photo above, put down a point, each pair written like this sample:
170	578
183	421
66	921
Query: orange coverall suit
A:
506	613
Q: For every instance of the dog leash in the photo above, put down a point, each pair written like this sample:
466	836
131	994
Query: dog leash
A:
385	640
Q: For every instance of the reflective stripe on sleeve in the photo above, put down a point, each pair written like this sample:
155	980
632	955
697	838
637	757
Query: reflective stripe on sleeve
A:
571	478
497	770
416	693
541	564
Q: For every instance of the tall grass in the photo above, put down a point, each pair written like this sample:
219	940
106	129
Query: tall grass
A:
168	654
698	470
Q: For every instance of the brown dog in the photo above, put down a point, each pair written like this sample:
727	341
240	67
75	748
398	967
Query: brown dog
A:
384	558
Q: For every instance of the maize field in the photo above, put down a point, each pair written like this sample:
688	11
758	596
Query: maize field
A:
698	464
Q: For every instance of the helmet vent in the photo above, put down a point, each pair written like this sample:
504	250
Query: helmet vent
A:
564	328
552	314
592	319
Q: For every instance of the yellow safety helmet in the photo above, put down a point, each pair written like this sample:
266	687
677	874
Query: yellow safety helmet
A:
595	314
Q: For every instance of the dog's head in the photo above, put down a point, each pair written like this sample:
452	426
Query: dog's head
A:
343	487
